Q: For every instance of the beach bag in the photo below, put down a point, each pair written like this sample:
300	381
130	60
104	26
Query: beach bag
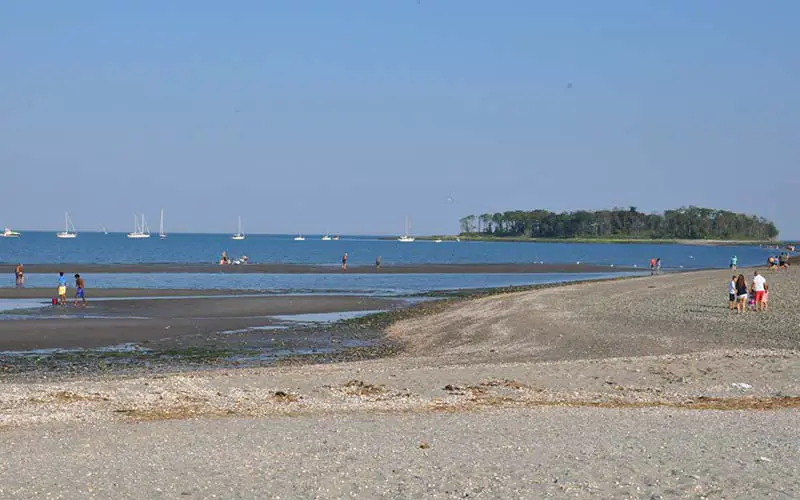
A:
55	301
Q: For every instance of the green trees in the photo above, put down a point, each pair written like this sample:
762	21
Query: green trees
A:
683	223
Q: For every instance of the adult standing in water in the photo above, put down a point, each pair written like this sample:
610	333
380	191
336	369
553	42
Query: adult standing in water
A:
344	262
19	275
734	261
378	263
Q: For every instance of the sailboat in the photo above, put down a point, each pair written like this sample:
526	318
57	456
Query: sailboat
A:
140	230
240	234
327	237
67	234
406	238
105	231
8	233
161	233
299	237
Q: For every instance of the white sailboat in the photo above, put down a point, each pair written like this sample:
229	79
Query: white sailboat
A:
299	237
161	233
327	237
240	234
105	231
67	233
140	229
406	238
8	233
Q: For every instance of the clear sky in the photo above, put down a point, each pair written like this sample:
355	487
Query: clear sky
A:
348	115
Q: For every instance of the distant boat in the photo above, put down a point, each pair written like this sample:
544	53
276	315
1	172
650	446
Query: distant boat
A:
240	234
406	238
336	237
104	230
67	233
327	237
437	240
161	233
299	237
140	229
8	233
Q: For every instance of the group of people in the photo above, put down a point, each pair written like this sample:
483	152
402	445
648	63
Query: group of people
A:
80	291
655	266
378	262
224	260
778	261
741	298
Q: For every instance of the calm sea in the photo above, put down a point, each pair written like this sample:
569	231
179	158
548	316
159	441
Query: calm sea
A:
98	248
115	248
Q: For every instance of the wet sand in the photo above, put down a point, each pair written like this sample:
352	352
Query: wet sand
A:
312	269
110	293
163	322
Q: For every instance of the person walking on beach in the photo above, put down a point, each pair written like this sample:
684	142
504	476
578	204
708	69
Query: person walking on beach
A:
62	289
344	262
741	294
759	287
732	293
734	261
19	275
79	290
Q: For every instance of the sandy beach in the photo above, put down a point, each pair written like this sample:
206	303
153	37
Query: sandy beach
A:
638	388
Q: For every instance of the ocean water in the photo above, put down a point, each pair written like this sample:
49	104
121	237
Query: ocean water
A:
115	248
294	284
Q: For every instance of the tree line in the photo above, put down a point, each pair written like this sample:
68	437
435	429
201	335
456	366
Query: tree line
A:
682	223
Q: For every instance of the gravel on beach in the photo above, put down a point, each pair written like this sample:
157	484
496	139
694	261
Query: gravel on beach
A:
639	388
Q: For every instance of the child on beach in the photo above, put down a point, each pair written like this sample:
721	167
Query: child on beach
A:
765	299
62	289
79	291
751	301
732	293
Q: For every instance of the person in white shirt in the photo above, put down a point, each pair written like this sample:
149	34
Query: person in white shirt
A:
732	293
758	287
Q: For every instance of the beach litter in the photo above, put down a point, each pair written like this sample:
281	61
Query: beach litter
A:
742	386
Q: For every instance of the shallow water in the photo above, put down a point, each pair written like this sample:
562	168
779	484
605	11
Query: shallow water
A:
360	284
115	248
18	304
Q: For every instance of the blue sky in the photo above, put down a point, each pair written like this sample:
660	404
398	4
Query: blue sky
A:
346	116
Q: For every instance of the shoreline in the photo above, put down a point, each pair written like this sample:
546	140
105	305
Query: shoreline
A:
318	269
626	241
483	397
